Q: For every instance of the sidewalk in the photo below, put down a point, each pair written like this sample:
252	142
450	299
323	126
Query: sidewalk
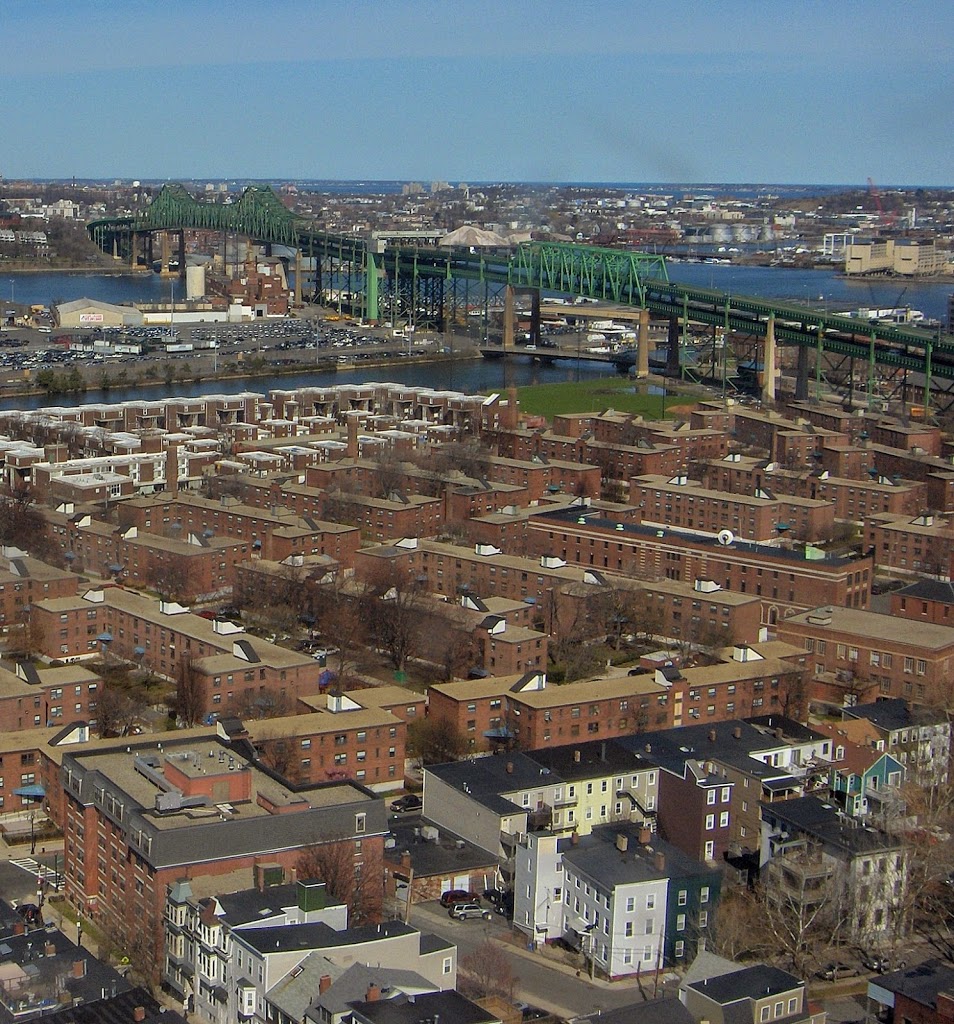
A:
553	959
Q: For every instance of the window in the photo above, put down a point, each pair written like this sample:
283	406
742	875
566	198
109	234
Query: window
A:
680	922
704	894
703	918
766	1013
360	822
680	948
651	901
447	965
710	822
779	1009
724	819
711	796
793	1005
726	790
630	904
710	850
683	896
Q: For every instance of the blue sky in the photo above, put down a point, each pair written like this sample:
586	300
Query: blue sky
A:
592	90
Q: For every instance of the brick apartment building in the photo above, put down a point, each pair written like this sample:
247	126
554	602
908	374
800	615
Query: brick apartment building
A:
24	580
922	544
925	601
32	697
228	670
274	535
852	498
530	713
784	580
865	655
343	741
680	503
140	818
201	566
551	588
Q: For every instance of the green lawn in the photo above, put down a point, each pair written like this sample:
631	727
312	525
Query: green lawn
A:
596	396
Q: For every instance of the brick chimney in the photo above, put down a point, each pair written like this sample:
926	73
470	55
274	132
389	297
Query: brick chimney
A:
373	994
660	861
79	968
324	983
139	1014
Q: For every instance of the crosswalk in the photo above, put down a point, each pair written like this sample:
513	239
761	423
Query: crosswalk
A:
38	870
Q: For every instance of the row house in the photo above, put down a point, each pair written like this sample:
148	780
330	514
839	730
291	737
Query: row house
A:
918	737
680	503
814	856
628	901
465	413
141	817
784	580
758	994
859	656
851	498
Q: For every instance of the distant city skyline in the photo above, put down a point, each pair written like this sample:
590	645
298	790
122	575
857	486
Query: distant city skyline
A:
594	91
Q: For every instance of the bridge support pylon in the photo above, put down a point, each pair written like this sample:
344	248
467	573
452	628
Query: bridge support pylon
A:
510	316
642	345
672	352
298	278
768	361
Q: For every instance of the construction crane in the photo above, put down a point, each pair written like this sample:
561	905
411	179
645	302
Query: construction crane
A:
885	218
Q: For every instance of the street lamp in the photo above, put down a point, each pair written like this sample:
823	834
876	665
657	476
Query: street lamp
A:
32	833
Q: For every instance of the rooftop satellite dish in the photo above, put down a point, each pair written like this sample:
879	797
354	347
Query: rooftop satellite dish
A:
725	537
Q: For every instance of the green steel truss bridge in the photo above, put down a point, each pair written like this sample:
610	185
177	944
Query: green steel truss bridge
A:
383	277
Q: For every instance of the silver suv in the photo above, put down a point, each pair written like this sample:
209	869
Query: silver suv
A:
465	911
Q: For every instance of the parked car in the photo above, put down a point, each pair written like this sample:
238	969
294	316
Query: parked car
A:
452	896
881	964
466	911
836	970
406	803
502	902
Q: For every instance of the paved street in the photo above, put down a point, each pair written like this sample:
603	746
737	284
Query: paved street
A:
540	982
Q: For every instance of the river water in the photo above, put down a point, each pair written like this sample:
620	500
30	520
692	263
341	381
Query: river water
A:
809	287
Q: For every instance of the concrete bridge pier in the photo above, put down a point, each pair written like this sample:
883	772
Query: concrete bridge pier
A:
133	255
642	345
672	351
164	254
510	317
535	317
298	277
768	362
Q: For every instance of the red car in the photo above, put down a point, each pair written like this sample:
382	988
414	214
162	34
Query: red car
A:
452	896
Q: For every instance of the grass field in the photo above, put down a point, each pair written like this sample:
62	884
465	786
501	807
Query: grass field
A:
620	394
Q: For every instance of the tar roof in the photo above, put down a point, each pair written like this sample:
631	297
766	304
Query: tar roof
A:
921	983
825	822
318	935
451	1007
755	982
598	857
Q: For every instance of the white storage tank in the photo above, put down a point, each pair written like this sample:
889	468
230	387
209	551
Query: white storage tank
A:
195	282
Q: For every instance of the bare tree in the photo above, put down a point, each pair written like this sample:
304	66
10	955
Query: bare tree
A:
171	579
189	700
393	605
27	639
435	740
485	972
117	710
352	870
